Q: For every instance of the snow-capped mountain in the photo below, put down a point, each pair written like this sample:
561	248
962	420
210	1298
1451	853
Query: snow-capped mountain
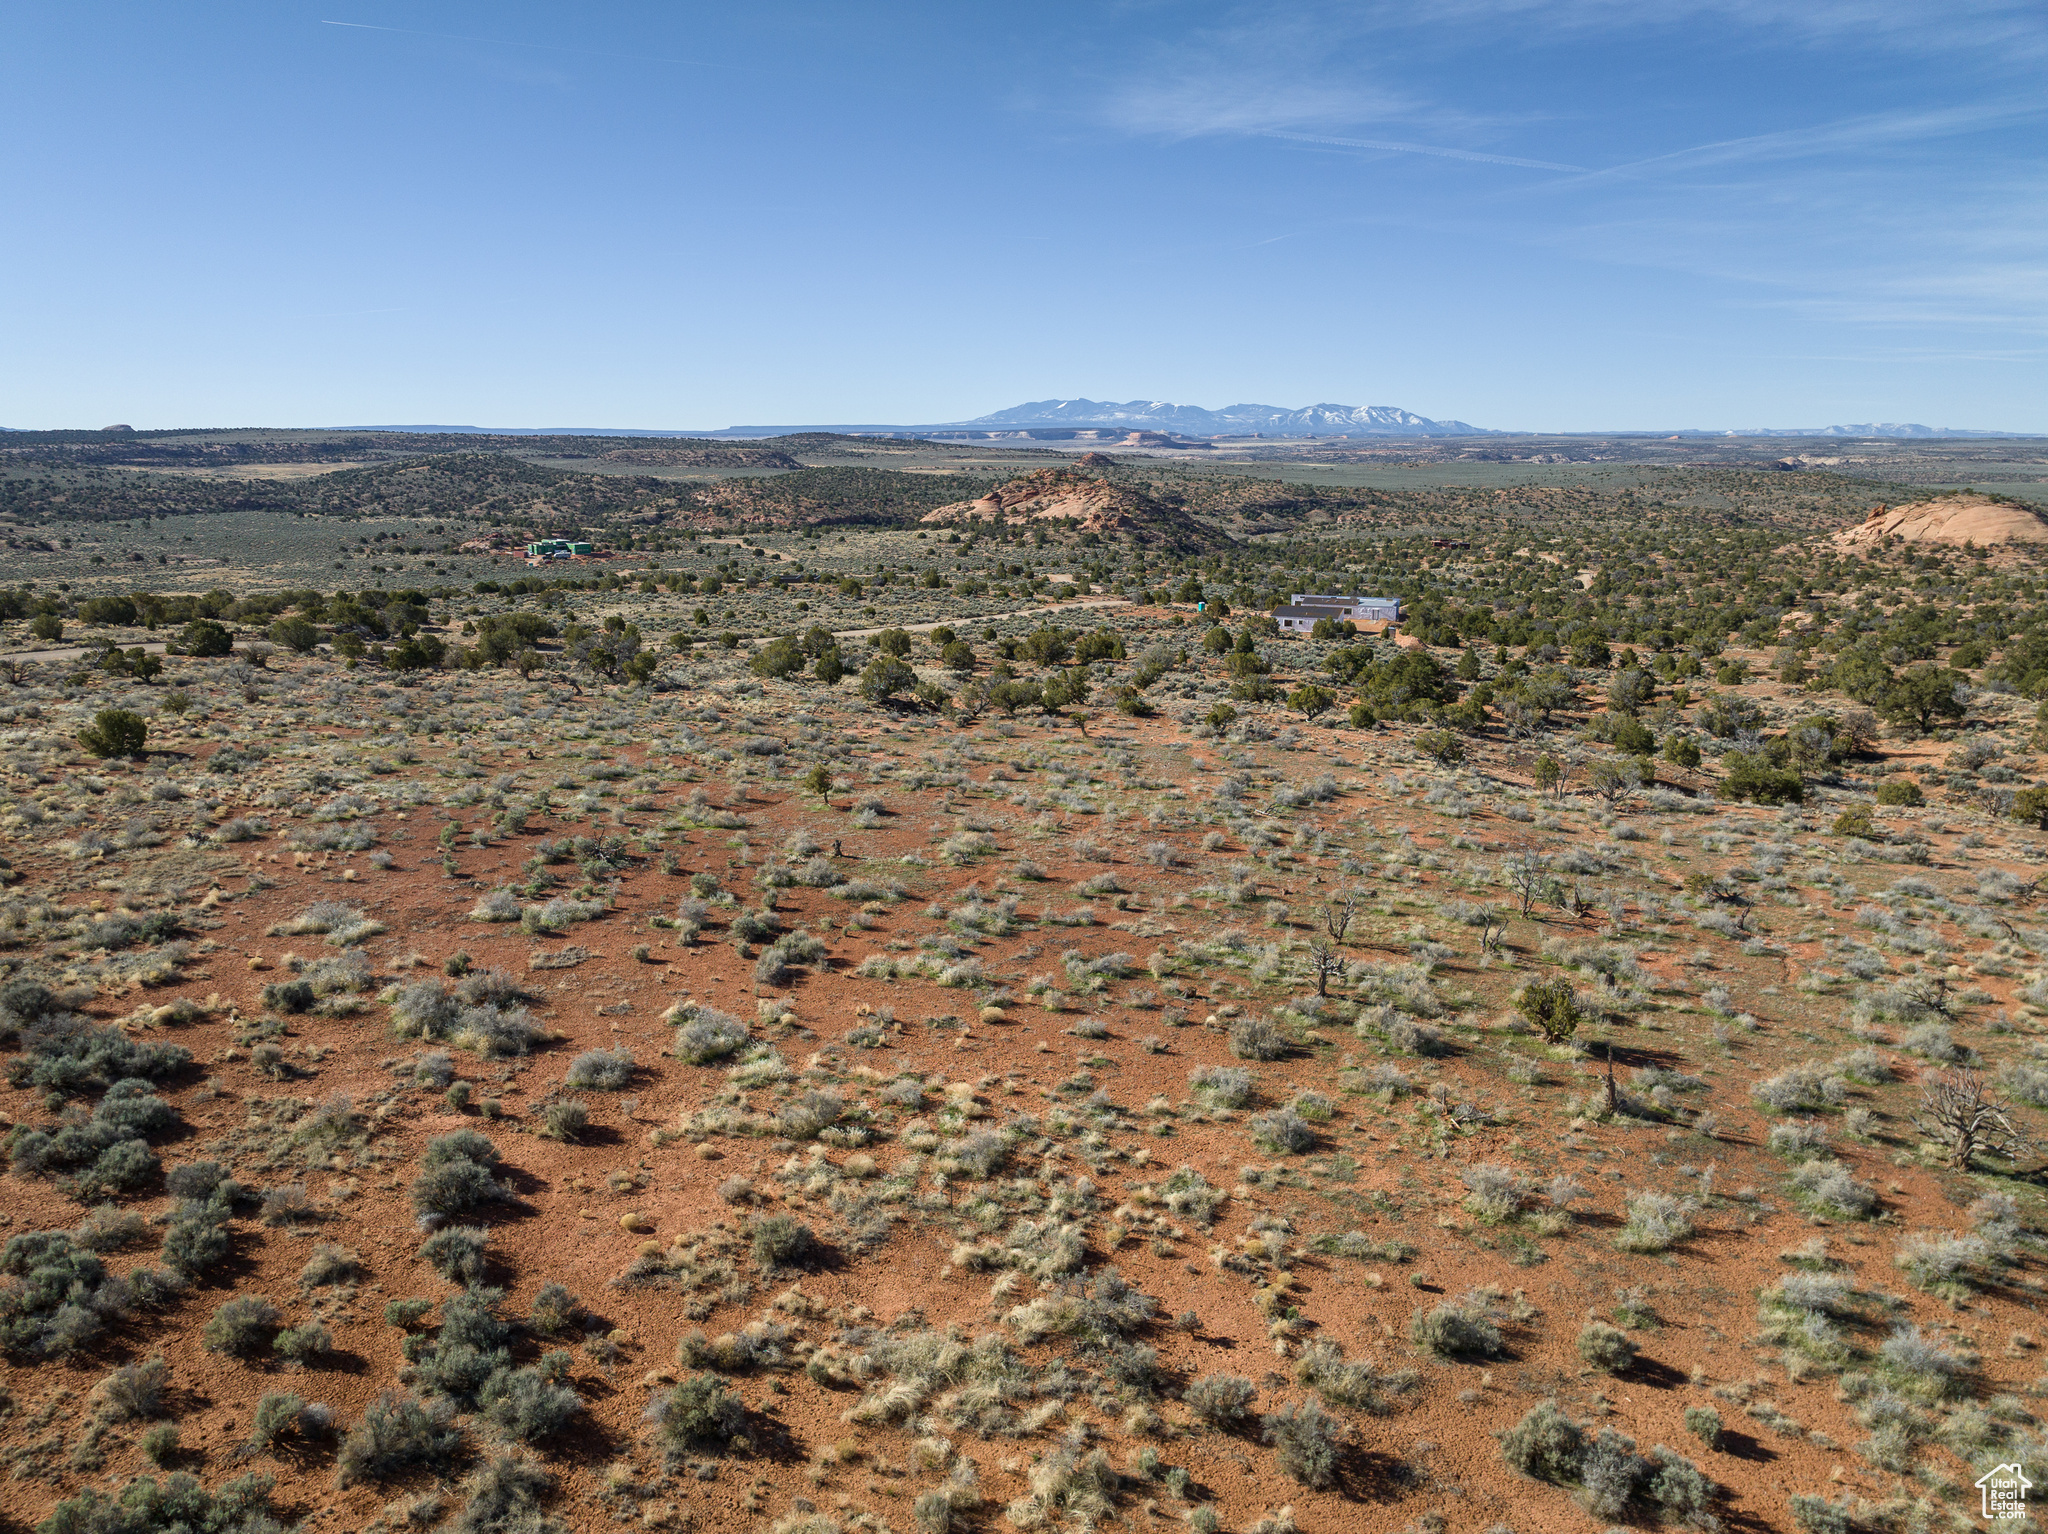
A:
1322	420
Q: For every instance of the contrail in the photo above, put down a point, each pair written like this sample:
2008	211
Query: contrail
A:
1448	154
499	42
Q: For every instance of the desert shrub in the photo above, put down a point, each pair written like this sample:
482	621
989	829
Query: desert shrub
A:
276	1414
1611	1473
455	1174
1807	1086
396	1433
195	1179
1414	1038
481	1012
135	1391
1931	1041
1463	1328
1704	1423
1678	1488
710	1035
526	1404
905	1092
1830	1294
70	1056
173	1506
1323	1367
602	1070
309	1339
1190	1195
565	1120
1830	1188
554	1311
1901	792
558	913
1360	1247
1256	1038
1746	777
1496	1192
1221	1400
781	1241
504	1498
1910	1351
1866	1066
114	732
753	926
1545	1445
1551	1007
56	1297
457	1253
1221	1086
1943	1262
1817	1515
160	1444
1307	1442
292	996
1655	1222
932	1513
453	1188
1283	1132
979	1154
241	1326
105	1153
1606	1347
330	1264
341	924
470	1320
809	1115
700	1412
1796	1137
120	1168
287	1205
498	905
198	1240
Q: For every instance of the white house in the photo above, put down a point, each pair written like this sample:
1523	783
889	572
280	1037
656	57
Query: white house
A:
1358	609
1301	615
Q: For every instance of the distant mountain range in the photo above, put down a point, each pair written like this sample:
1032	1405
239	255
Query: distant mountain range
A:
1094	416
1322	420
1879	429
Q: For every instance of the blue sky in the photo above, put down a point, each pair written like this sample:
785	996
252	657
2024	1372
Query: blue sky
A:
1571	216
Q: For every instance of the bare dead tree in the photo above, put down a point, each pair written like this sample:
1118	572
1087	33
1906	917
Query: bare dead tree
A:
1932	993
1569	898
1338	915
1493	926
1527	873
1958	1112
1327	963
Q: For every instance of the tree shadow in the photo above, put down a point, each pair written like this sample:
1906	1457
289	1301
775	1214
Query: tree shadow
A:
1367	1475
338	1361
1655	1375
1742	1446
